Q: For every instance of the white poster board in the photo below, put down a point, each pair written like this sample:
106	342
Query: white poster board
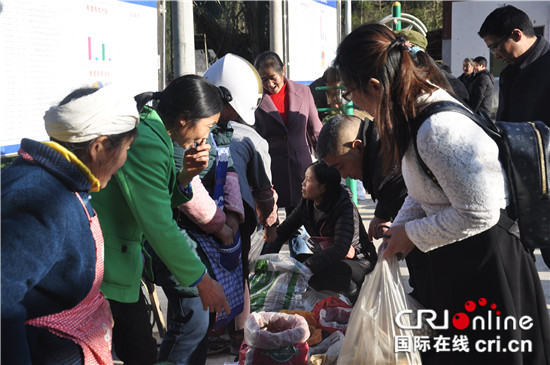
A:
50	48
312	26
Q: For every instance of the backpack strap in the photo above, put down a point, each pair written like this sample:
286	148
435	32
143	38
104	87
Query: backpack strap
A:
443	106
494	130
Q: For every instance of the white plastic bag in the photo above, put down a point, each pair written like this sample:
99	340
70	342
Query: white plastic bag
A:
256	245
372	333
278	283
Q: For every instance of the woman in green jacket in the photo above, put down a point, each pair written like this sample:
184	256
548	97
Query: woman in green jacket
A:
137	206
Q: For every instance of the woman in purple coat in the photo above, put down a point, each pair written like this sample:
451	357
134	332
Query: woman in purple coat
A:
287	118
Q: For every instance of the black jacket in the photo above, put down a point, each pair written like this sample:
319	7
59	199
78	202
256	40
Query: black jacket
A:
458	86
338	218
524	89
466	79
389	191
481	91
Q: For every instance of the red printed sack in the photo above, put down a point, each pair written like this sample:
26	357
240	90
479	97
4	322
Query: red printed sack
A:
332	314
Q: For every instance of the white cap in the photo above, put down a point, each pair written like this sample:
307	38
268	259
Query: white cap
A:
107	111
243	82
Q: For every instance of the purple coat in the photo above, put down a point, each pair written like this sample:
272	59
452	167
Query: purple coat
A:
288	144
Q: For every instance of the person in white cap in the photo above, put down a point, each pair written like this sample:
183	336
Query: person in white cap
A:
251	160
52	246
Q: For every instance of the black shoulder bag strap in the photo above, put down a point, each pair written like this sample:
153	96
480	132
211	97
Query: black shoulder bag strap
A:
443	106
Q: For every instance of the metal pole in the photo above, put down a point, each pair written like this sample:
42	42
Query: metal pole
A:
183	35
338	21
286	39
162	81
348	110
396	13
351	183
205	52
348	17
276	27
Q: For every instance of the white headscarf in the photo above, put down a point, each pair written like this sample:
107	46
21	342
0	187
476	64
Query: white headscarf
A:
106	112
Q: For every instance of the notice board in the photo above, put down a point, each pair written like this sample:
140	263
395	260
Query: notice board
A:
50	48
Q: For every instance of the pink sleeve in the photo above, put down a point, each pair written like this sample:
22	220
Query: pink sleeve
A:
232	194
266	206
202	209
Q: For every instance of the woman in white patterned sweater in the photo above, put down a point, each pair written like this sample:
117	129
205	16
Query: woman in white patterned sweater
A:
479	273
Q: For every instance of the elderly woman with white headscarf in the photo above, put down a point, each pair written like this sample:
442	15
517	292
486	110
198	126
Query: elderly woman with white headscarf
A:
52	246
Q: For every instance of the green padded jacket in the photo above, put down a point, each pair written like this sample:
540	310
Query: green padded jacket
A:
137	206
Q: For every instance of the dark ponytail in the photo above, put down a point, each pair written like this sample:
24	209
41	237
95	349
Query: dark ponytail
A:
188	97
144	98
431	71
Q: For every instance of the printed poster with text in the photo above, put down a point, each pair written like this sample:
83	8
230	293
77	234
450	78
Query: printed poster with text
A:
50	48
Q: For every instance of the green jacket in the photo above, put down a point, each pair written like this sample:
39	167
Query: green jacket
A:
136	206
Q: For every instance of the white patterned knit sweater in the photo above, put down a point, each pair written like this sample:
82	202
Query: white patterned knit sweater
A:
465	162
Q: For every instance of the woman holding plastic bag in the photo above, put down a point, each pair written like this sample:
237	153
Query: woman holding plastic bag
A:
343	255
478	270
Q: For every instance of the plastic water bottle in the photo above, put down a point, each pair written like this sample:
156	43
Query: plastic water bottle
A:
298	302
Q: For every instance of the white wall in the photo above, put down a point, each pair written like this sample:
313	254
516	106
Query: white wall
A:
467	19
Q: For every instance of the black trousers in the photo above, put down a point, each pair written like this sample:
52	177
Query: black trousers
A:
247	228
418	266
491	268
133	339
345	277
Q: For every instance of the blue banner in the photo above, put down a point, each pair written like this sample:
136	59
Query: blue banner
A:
149	3
330	3
8	150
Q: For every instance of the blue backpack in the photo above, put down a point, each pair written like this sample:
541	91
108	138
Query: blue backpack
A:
524	151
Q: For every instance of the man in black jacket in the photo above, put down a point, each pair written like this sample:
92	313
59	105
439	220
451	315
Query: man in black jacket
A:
352	146
468	72
524	85
481	87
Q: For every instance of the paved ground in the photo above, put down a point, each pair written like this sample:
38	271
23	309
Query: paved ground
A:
366	208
